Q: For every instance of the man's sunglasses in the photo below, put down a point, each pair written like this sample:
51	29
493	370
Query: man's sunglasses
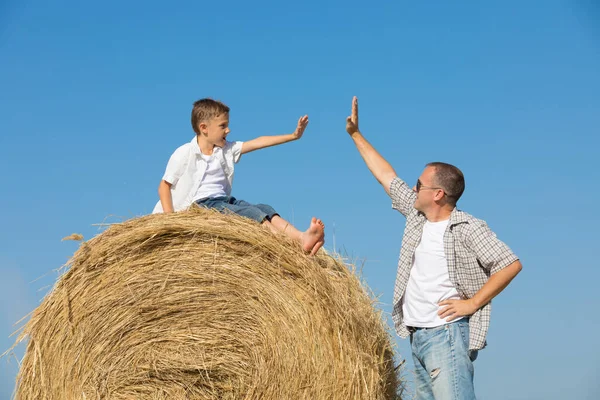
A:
420	186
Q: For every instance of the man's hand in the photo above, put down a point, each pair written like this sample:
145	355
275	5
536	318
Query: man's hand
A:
302	123
456	308
352	121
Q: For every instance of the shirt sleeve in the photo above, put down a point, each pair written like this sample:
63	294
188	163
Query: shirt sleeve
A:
236	151
491	252
175	166
403	198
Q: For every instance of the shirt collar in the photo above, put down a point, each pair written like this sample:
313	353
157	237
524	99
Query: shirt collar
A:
196	148
457	217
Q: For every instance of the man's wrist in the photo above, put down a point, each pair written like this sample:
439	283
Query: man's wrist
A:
356	135
475	303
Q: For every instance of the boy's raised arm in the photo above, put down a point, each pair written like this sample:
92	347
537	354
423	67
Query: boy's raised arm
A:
268	141
379	167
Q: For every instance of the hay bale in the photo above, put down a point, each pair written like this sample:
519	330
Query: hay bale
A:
199	305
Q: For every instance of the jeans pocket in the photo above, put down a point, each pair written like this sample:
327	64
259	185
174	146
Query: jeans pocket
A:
464	333
473	355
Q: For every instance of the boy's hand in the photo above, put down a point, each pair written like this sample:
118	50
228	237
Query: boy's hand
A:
302	123
352	121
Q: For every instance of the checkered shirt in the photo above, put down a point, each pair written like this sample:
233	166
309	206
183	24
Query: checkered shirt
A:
473	253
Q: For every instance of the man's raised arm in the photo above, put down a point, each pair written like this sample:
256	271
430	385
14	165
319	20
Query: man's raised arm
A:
379	167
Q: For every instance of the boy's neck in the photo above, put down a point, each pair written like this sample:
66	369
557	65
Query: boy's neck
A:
205	147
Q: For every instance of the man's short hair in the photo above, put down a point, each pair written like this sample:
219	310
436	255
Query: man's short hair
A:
449	178
204	110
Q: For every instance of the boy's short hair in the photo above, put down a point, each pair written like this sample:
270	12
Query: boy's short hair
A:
449	178
205	109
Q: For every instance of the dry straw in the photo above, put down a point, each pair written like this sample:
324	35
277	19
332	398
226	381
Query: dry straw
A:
198	305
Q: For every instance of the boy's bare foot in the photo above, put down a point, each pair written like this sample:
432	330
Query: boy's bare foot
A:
314	237
316	247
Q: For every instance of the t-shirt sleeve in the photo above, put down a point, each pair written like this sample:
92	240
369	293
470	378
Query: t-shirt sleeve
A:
491	252
175	166
236	151
403	198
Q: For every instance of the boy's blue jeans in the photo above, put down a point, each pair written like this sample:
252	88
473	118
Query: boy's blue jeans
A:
443	363
225	204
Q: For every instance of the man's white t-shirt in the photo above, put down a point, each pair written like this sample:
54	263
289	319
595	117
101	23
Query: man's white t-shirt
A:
214	181
429	282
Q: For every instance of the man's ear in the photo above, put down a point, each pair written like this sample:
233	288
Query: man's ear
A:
439	195
202	127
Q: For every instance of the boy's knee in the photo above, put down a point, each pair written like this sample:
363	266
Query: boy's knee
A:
267	209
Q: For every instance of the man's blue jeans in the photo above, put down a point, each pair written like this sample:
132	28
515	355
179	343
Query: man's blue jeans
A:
443	363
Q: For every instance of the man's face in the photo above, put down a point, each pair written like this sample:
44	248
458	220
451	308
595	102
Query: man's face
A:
216	129
427	192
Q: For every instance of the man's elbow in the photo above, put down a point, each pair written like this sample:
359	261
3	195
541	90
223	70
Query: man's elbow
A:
511	270
518	266
515	268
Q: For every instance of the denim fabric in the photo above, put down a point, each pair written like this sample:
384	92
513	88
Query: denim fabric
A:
225	204
443	362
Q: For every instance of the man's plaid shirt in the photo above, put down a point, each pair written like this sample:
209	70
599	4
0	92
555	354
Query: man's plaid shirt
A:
472	251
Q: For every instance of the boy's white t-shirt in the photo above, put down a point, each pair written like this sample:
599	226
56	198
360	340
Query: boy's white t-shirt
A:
214	181
186	169
429	282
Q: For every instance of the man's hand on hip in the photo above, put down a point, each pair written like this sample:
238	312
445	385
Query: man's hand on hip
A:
456	308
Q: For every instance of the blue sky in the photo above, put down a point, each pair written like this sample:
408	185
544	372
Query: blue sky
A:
96	96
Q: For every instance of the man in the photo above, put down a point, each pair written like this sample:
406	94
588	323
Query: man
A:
451	266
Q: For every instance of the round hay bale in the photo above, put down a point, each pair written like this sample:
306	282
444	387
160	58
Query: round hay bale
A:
200	305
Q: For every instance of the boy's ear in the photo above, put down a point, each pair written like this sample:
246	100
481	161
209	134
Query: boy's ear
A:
202	127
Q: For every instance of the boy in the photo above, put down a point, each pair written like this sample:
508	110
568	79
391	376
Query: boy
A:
201	172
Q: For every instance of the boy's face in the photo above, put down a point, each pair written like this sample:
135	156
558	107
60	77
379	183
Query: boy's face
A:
215	130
